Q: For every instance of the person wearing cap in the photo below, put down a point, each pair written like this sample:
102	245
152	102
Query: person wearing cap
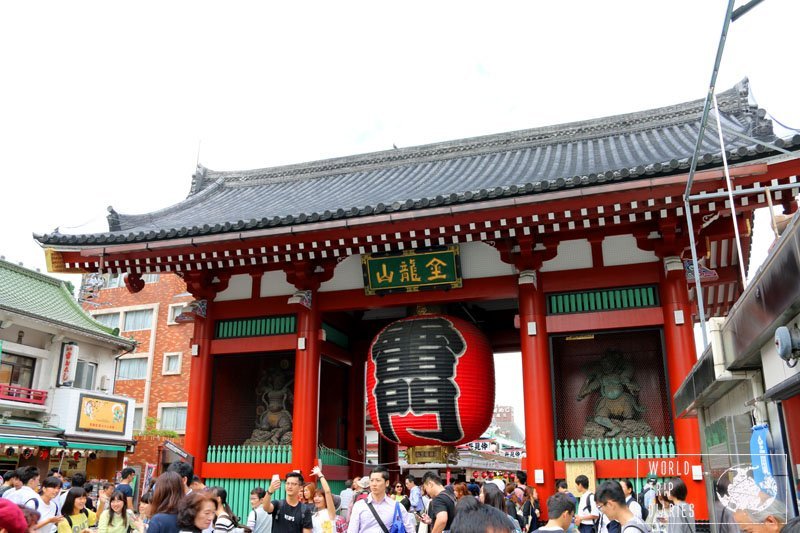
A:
12	520
648	494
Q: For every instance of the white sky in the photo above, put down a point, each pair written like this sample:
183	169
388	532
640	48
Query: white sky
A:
105	103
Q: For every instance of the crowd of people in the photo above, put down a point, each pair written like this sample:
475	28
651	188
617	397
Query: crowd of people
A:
178	502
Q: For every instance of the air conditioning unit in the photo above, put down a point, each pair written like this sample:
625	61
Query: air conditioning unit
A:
105	382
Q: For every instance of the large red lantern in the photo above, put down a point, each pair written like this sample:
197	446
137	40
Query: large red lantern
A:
430	381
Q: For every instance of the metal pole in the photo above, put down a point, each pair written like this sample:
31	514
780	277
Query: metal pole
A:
697	287
753	139
726	170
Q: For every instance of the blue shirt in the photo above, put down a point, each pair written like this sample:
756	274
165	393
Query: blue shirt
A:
163	523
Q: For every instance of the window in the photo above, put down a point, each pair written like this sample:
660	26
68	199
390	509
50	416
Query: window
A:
112	281
173	418
132	368
138	415
150	278
174	311
17	370
109	320
137	320
85	375
172	363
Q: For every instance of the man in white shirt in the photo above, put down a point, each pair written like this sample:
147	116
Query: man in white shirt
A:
560	511
258	520
611	500
45	504
633	505
16	484
29	477
587	508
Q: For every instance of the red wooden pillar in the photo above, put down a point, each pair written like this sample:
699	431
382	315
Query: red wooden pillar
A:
198	412
389	455
306	387
536	382
681	356
356	415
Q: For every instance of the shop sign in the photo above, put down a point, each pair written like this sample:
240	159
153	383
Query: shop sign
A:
101	415
411	271
69	364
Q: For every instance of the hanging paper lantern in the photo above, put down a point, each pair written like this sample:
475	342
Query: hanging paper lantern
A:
430	381
92	455
27	453
484	475
10	451
475	474
44	454
77	455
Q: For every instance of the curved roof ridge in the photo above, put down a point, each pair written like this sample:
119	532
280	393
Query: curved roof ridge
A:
25	271
733	101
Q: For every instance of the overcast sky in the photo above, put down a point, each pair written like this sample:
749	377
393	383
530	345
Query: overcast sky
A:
108	103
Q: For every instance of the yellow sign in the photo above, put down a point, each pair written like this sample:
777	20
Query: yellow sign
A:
101	415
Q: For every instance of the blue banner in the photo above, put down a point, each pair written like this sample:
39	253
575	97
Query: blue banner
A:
759	457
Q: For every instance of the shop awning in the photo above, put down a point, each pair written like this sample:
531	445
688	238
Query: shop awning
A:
23	440
95	446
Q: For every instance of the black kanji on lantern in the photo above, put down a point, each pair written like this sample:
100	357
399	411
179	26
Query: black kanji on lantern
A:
415	366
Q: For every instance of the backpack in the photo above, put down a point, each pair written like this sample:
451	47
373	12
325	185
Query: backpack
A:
640	500
84	511
588	509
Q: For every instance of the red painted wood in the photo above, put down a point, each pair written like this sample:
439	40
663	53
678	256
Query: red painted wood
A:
264	470
306	389
473	289
601	278
254	307
336	353
681	357
22	394
356	411
198	412
539	429
628	318
272	343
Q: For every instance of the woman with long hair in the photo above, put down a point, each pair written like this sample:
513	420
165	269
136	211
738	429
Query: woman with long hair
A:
492	496
196	512
680	518
460	490
167	495
117	518
76	516
531	509
226	521
398	495
307	494
144	508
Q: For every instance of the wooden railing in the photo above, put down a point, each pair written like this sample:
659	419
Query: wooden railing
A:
618	448
22	394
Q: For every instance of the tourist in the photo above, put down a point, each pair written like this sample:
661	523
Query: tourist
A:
226	521
32	518
361	494
128	474
308	495
647	497
195	512
323	518
118	517
398	495
10	482
492	495
475	517
442	509
658	513
768	520
164	504
531	509
45	504
587	508
103	496
460	490
185	471
514	504
611	502
258	520
365	514
197	484
630	499
29	487
414	495
88	487
78	480
76	516
561	513
347	496
12	519
144	508
681	514
289	515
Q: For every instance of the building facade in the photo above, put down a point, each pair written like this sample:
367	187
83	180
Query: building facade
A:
156	374
58	407
565	243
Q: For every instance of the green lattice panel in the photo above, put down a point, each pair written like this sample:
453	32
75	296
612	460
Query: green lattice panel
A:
602	300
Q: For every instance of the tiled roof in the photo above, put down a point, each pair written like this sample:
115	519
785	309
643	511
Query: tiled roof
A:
41	297
581	154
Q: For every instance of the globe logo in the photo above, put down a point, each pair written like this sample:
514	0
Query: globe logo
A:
743	491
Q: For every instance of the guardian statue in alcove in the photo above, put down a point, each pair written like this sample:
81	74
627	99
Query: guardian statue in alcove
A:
274	411
617	411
